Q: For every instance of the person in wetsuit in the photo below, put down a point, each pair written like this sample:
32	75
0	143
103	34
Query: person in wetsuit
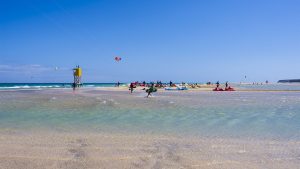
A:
131	87
73	86
151	90
218	84
171	83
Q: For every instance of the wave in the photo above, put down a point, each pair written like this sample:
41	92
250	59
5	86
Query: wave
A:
89	85
7	86
32	87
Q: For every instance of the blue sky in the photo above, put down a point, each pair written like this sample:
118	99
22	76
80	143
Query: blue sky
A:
179	40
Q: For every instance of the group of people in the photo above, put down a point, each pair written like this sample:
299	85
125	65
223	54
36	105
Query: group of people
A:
261	83
158	84
227	87
150	90
152	87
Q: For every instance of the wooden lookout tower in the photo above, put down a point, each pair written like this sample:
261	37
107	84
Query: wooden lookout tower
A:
77	73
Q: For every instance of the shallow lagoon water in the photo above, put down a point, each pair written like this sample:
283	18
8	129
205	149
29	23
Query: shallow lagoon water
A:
210	114
94	128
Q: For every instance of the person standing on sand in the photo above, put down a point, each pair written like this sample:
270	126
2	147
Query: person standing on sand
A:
118	84
218	84
226	85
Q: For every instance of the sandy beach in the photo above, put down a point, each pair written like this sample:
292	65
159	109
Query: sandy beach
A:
101	150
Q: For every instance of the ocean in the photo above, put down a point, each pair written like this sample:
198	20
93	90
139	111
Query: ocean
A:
7	86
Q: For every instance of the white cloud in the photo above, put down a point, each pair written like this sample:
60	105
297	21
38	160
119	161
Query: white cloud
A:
28	69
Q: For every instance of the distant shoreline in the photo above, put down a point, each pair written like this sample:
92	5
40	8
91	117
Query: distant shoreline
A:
139	89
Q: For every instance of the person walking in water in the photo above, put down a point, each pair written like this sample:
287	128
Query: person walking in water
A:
151	90
74	86
131	87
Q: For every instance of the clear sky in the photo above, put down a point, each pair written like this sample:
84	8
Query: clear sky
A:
179	40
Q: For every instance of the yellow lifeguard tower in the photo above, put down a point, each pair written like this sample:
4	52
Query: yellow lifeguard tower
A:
77	73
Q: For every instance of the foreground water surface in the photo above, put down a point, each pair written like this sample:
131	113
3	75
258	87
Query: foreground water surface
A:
216	114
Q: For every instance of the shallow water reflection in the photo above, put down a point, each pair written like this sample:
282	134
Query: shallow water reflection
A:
234	114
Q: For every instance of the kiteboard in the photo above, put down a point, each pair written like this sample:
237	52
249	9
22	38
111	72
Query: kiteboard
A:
151	90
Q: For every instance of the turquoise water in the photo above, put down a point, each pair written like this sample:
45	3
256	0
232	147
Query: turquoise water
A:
216	114
6	86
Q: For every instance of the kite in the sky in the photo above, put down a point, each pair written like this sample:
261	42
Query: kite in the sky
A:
117	59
